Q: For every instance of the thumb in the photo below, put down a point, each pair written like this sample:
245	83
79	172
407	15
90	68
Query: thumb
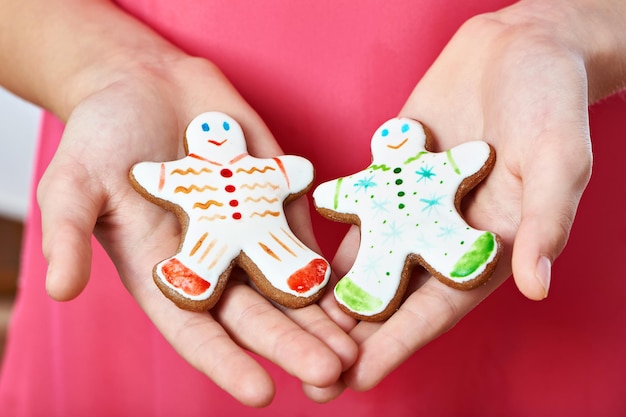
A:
553	184
68	215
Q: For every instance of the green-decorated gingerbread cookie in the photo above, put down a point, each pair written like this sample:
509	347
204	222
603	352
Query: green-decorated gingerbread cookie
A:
407	205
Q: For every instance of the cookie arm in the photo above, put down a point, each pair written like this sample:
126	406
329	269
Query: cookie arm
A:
326	195
149	176
470	157
298	172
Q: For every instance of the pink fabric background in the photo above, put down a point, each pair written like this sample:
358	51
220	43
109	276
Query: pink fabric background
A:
324	75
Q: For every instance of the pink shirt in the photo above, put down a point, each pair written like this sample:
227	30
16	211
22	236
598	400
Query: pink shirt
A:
324	75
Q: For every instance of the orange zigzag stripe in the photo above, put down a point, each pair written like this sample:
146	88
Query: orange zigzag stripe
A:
194	187
255	169
190	171
215	216
258	200
266	213
259	185
208	204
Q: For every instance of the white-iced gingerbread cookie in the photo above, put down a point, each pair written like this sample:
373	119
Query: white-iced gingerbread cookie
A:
230	205
407	206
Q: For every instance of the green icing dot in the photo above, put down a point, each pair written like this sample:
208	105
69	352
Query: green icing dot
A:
477	255
401	206
401	194
397	170
398	181
355	297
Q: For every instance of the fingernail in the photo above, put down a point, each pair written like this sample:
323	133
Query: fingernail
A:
543	273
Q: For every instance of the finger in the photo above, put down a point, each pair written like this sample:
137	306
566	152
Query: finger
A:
299	219
255	324
69	208
346	253
203	342
315	321
425	315
324	394
552	188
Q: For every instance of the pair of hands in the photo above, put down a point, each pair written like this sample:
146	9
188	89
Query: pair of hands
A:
516	86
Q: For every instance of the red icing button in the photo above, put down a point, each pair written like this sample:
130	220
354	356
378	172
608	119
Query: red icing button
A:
309	276
237	216
233	203
230	188
226	173
184	278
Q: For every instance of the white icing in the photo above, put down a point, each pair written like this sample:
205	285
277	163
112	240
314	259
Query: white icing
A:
405	201
234	203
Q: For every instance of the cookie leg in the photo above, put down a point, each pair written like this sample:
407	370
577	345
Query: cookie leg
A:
181	277
280	261
195	274
374	285
469	258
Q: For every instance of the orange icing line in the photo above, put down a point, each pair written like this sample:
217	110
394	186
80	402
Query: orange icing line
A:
398	146
198	244
216	216
266	213
208	204
188	171
217	258
193	187
208	249
259	185
269	251
255	169
281	243
258	200
292	238
162	177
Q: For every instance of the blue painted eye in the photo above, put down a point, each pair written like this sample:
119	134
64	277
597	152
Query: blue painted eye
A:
205	127
226	126
405	128
384	132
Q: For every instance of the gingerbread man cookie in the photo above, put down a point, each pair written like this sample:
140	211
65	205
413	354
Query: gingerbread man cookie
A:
407	206
230	205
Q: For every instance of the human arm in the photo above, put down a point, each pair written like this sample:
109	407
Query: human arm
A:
521	79
126	95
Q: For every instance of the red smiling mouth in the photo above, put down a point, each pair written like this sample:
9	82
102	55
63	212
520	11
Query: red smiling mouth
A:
216	143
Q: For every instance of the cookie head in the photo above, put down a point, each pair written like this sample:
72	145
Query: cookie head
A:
397	138
215	134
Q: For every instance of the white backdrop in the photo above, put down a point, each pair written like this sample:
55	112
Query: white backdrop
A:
18	131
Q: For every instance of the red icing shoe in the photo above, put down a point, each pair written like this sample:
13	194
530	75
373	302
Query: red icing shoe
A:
184	278
312	275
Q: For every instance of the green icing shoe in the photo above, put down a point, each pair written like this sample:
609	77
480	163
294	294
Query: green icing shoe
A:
479	253
355	298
